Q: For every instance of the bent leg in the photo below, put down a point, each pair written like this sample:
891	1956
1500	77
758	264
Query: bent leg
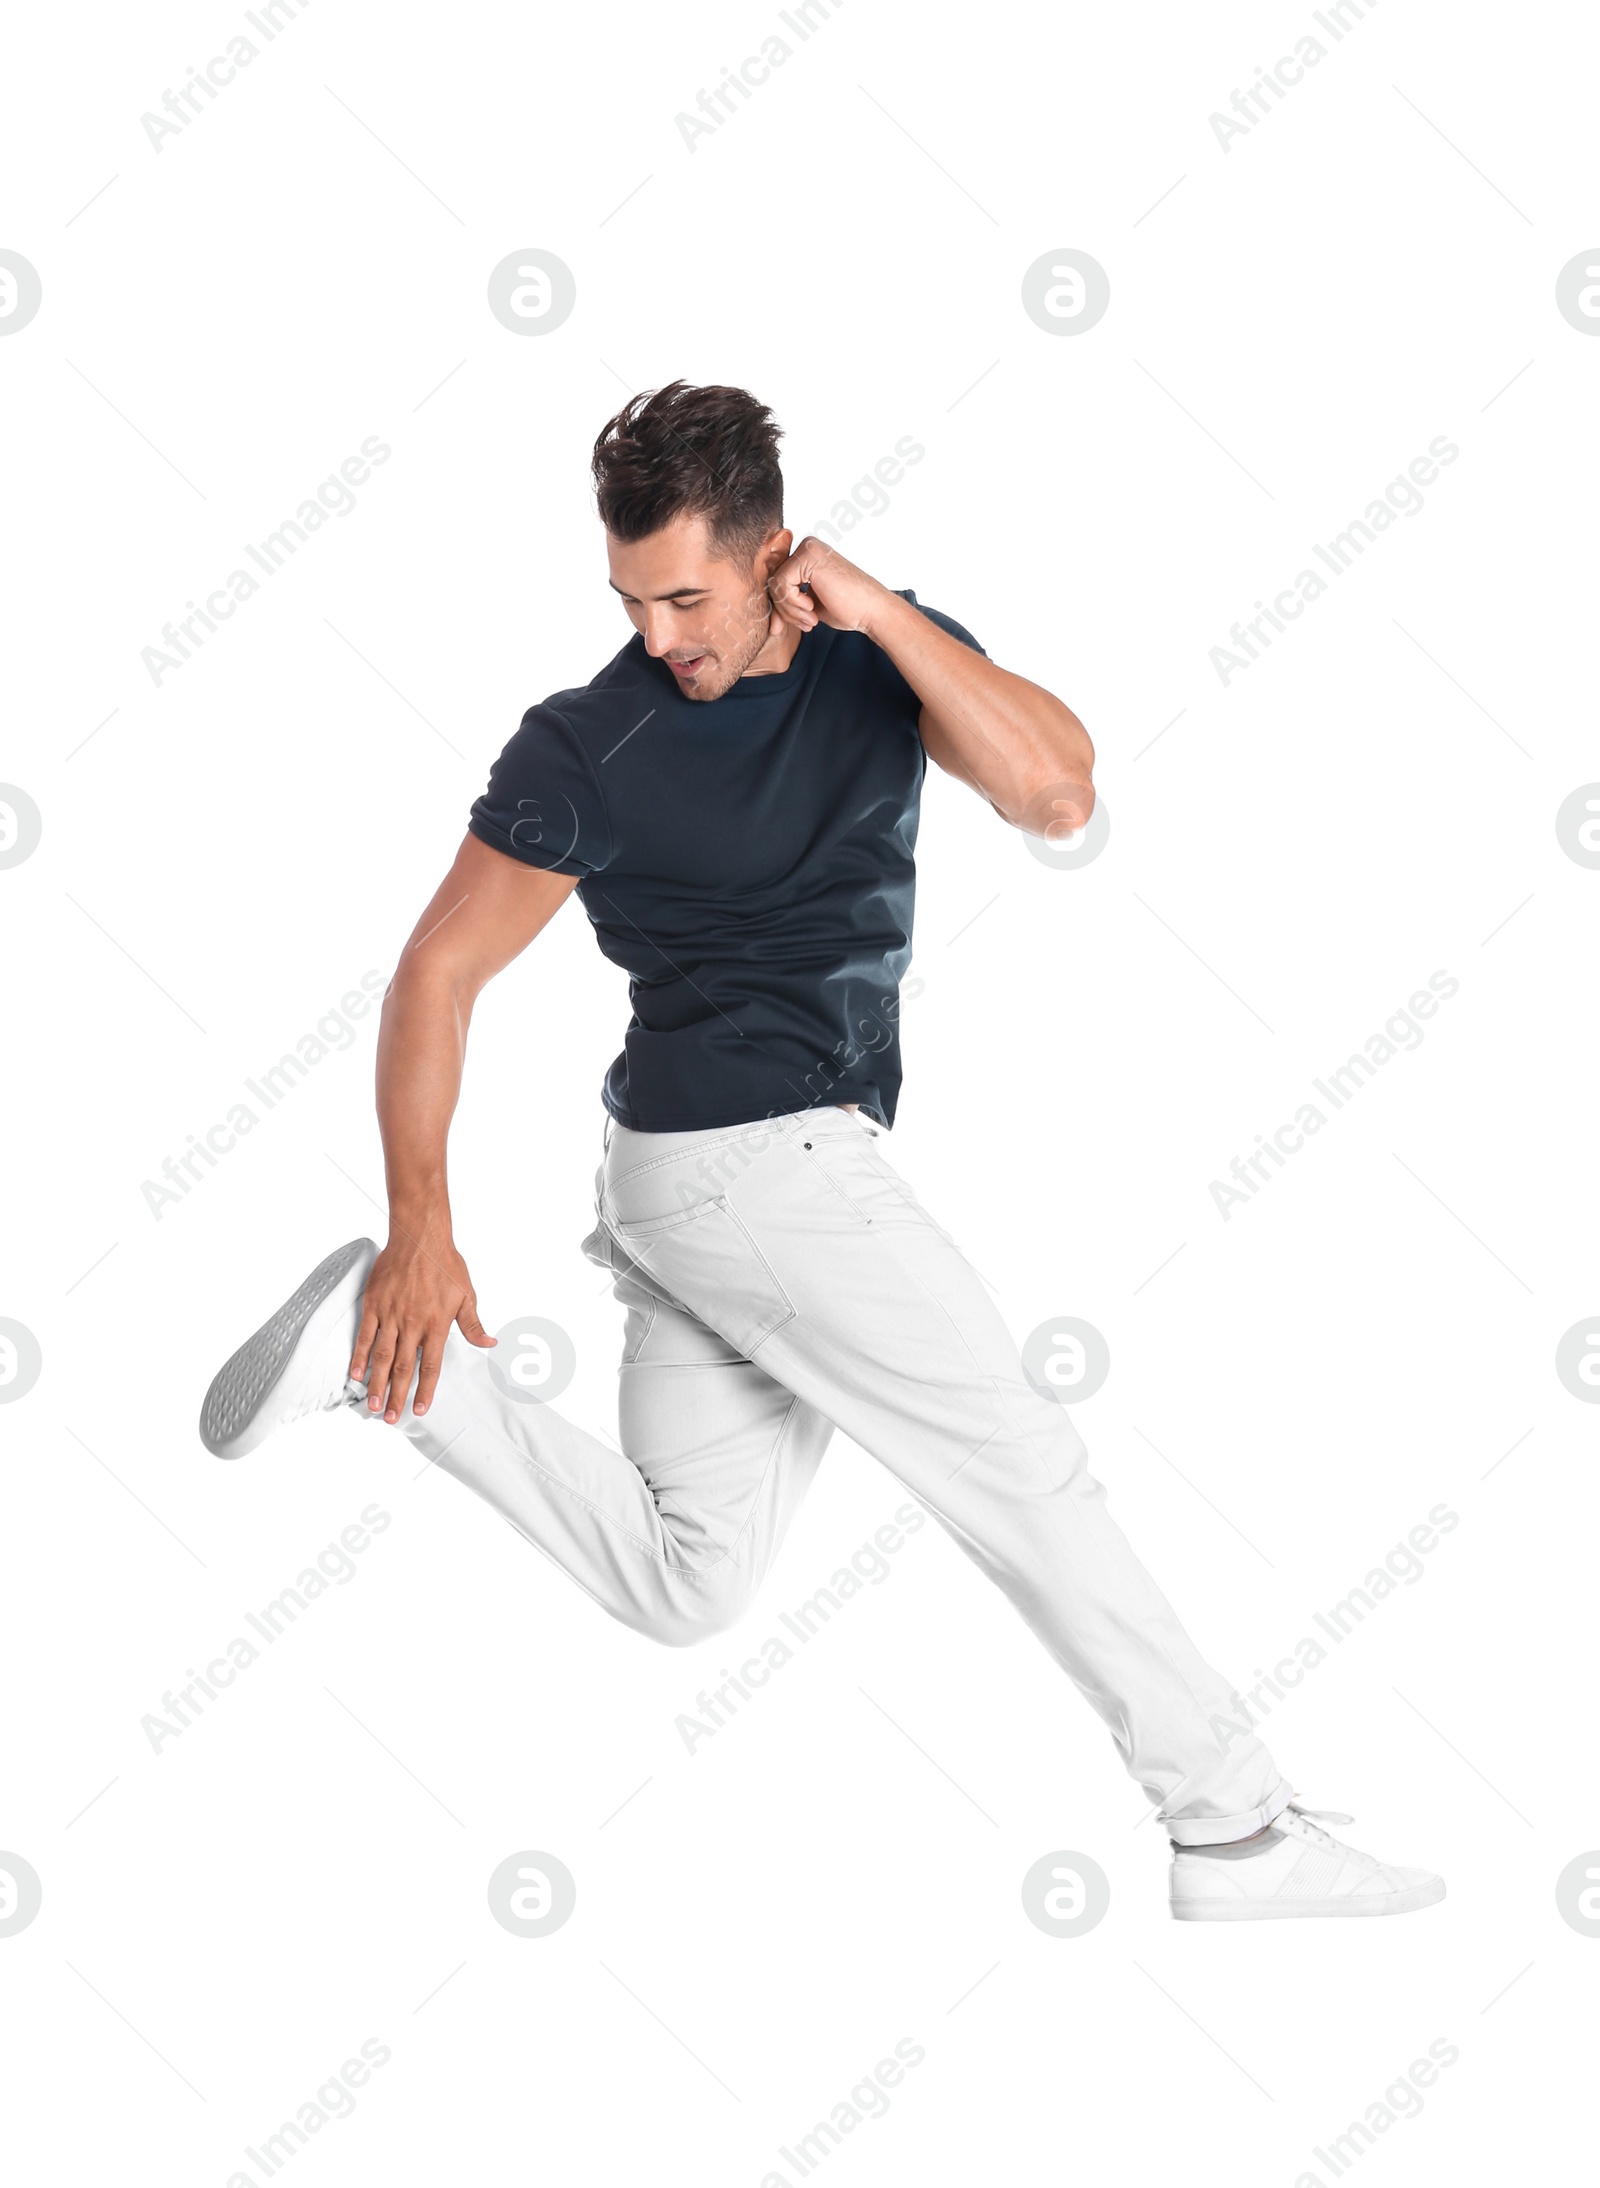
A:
674	1533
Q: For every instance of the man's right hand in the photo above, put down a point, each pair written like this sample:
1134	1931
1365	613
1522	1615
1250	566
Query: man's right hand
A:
487	909
413	1295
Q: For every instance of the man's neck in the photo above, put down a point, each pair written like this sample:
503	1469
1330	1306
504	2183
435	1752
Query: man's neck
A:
777	654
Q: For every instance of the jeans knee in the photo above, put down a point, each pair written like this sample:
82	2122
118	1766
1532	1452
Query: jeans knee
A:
694	1607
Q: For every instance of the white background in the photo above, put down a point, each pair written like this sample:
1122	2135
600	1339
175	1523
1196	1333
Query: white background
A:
224	855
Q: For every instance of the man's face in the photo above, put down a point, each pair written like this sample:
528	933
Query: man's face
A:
706	618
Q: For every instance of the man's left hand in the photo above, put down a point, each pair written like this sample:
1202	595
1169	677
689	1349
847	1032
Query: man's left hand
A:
836	592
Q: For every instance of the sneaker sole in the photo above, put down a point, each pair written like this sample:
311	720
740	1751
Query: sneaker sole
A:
241	1388
1270	1910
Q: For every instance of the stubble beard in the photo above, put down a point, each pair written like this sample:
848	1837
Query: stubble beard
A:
729	666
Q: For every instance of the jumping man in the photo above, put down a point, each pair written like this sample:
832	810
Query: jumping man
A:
734	798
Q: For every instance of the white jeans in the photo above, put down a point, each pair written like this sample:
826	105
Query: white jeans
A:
781	1280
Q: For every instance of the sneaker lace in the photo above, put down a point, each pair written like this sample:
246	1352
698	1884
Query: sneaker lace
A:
1322	1815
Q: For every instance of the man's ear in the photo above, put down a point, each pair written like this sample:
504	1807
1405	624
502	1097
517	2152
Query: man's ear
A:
775	551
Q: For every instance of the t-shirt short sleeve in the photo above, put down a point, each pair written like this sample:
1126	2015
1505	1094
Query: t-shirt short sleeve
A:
945	623
544	804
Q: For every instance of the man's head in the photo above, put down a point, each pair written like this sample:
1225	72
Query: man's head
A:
691	496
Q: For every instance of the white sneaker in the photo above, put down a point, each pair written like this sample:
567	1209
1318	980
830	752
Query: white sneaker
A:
1293	1868
296	1363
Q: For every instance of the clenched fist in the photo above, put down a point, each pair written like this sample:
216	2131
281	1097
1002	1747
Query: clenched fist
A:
817	585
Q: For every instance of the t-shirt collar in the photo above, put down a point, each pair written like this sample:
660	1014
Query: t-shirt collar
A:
752	687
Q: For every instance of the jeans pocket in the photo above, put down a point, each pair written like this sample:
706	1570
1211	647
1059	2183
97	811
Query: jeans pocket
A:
706	1257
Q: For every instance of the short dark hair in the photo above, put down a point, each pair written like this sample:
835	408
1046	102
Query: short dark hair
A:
699	451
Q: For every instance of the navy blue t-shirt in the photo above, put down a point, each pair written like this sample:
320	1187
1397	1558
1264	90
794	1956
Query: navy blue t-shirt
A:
747	860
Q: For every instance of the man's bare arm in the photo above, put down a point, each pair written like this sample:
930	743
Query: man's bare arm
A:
1015	743
484	913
